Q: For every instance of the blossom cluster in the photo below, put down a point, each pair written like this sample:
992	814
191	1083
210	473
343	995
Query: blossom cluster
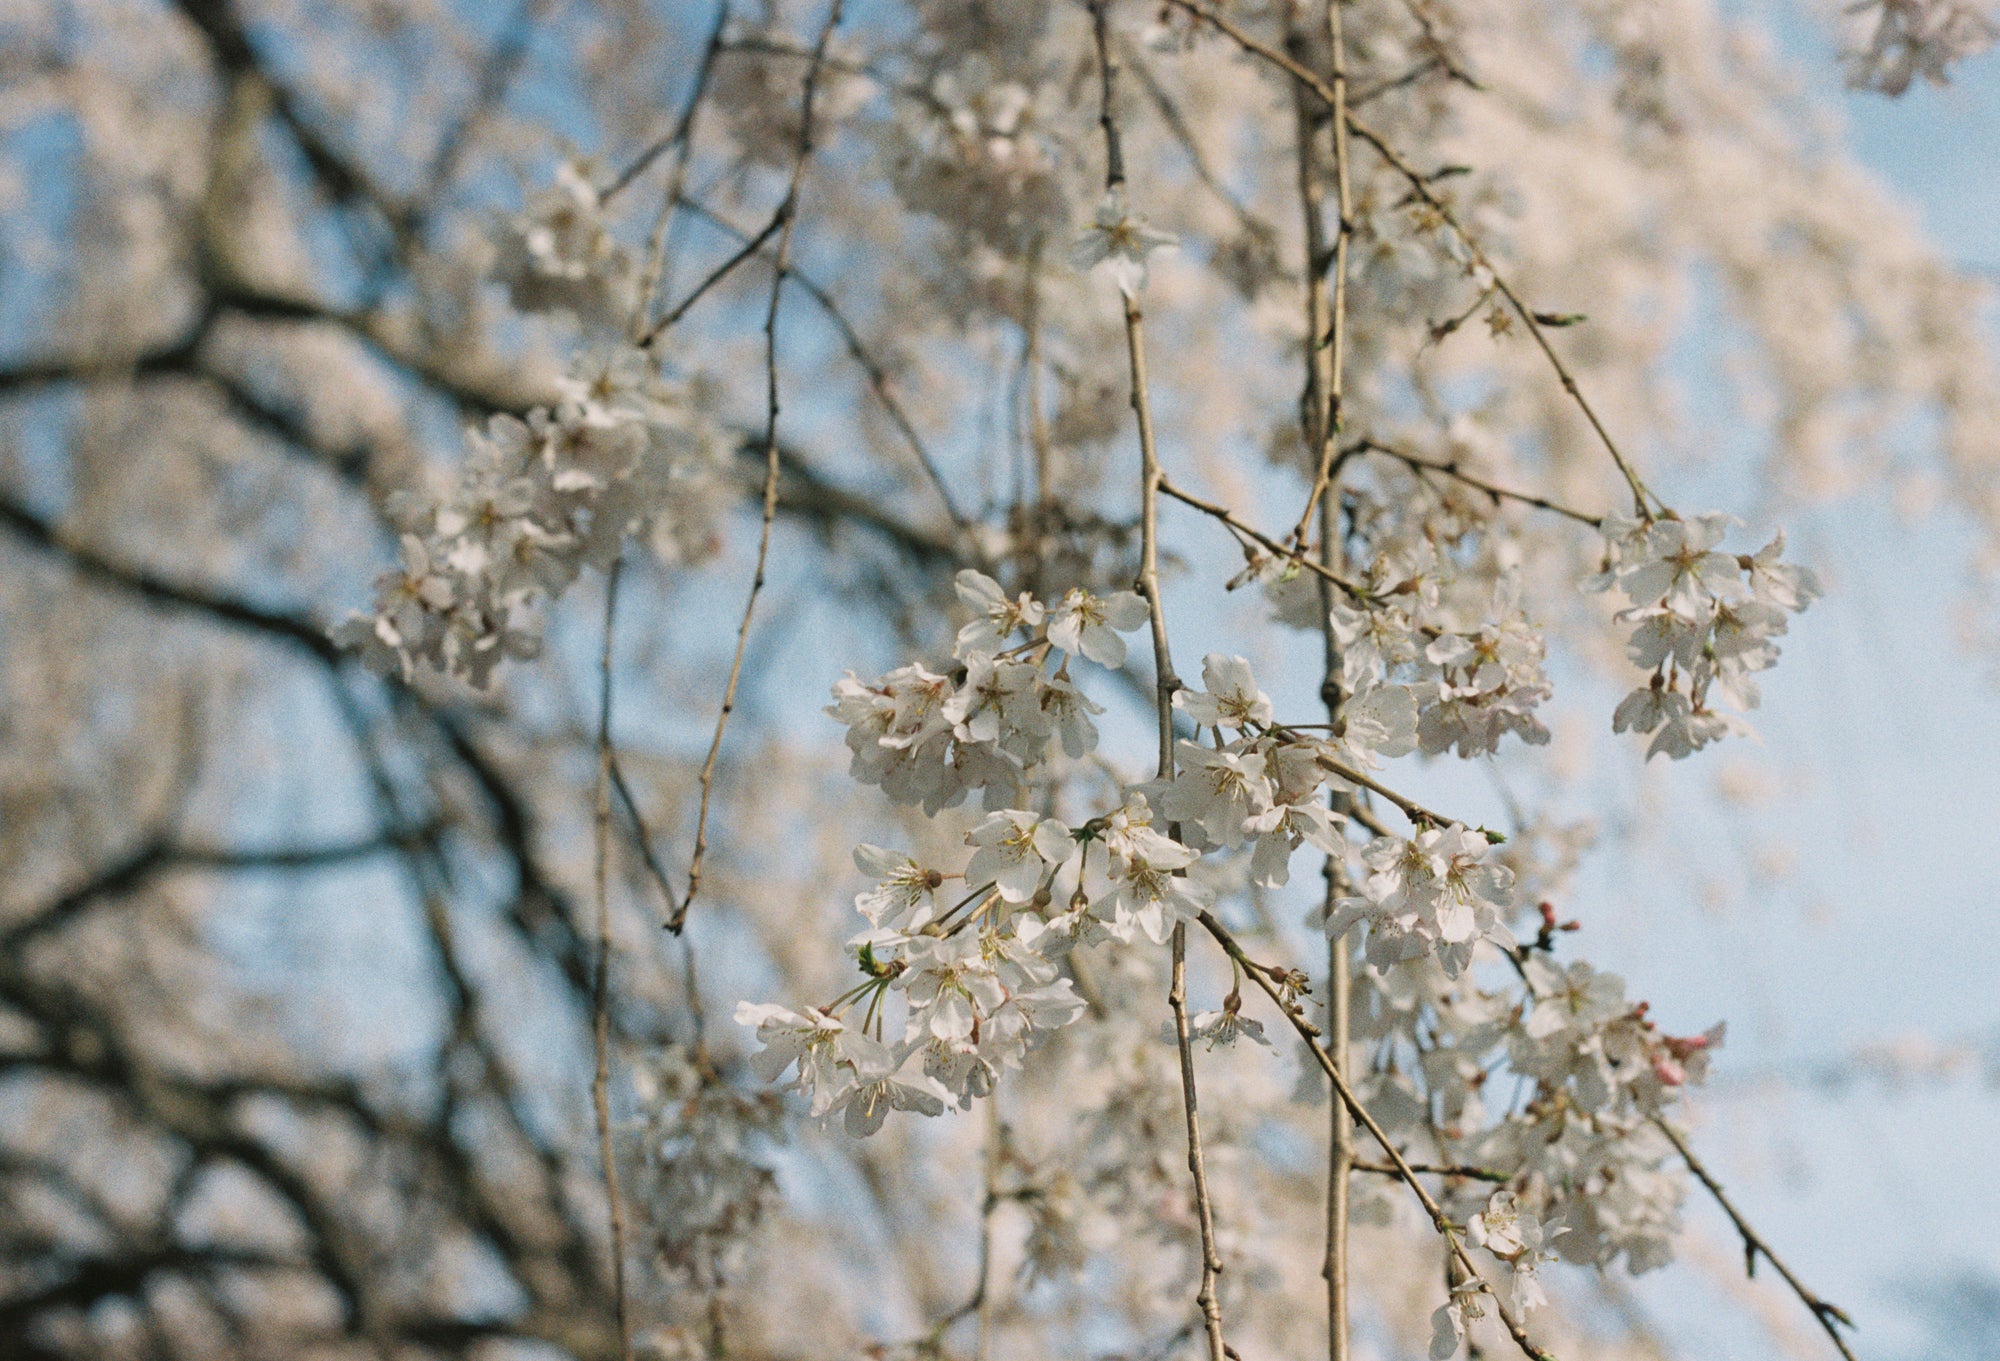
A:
978	987
558	254
704	1169
1261	786
930	737
1460	649
980	162
623	453
1577	1151
1435	893
1705	623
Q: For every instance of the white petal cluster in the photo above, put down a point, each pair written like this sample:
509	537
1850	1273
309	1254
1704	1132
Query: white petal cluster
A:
978	1002
978	979
1263	785
1226	1025
1436	893
706	1178
623	453
1573	1145
1452	1321
1133	879
558	254
1458	653
1515	1236
930	738
982	163
840	1068
1463	648
1705	624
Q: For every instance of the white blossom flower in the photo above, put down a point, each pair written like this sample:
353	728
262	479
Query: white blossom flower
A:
558	253
1504	1229
951	984
1450	1323
1088	625
1379	720
1231	697
1016	851
1068	710
831	1058
1142	886
1224	1027
1122	238
1706	622
905	896
1434	893
1784	585
1219	791
1000	702
995	616
868	1102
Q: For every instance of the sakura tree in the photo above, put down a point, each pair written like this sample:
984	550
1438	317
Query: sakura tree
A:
594	758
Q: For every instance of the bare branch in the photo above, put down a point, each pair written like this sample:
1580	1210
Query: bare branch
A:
1755	1245
787	216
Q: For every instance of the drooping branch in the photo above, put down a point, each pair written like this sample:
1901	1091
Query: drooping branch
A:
1294	555
162	854
1825	1312
1450	468
1166	683
1421	187
877	374
1262	976
787	217
1322	414
600	986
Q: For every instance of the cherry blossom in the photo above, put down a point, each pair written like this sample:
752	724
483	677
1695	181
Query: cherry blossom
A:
1088	625
1122	239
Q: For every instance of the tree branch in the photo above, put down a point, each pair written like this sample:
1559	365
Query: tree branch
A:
1826	1312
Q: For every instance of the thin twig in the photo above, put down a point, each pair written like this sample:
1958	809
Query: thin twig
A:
1165	684
989	1201
1410	808
779	221
787	216
1211	1259
1452	470
980	1301
1368	820
1754	1246
877	373
496	73
1404	1171
1322	414
1326	338
600	989
642	835
683	129
1420	187
1485	1174
682	140
1177	124
1394	83
1222	513
1439	49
